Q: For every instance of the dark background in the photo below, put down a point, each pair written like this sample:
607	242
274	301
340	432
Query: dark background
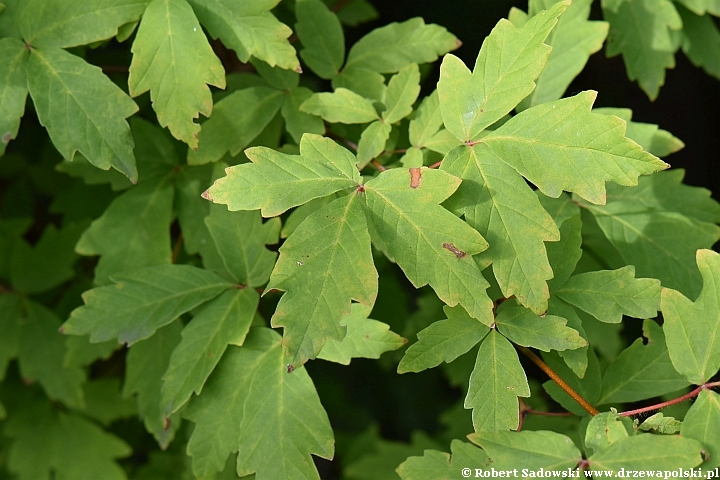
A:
688	105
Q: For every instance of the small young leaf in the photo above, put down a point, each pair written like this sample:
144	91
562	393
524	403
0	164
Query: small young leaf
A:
372	142
274	432
662	424
508	63
578	154
133	232
403	89
323	265
648	452
222	321
496	382
341	106
365	338
174	61
545	333
147	361
237	119
238	251
702	422
390	48
141	301
641	371
82	110
13	88
532	450
430	244
275	181
692	329
443	341
497	202
609	294
322	37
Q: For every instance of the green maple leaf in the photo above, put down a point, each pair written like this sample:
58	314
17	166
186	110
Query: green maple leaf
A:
701	423
509	61
57	23
403	89
579	153
497	202
322	37
443	341
431	245
174	61
648	452
146	363
237	251
573	40
90	118
275	181
365	338
237	119
251	405
692	329
641	370
250	29
609	294
340	106
323	265
141	301
532	450
222	321
434	465
47	442
496	382
13	88
642	32
700	41
649	136
546	333
133	232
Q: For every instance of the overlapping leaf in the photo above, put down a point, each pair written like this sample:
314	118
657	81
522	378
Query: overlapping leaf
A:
434	465
496	382
82	110
250	29
702	422
532	450
508	63
275	181
340	106
365	338
403	89
609	294
649	136
251	405
322	37
431	245
222	321
443	341
323	265
546	333
173	60
497	202
13	88
642	371
648	452
141	301
692	329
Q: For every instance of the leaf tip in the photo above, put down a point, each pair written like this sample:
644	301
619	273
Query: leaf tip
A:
298	69
206	195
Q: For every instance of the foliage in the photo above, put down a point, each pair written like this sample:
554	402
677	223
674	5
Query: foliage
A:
202	238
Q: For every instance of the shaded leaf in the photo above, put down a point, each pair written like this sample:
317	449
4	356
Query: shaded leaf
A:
372	142
340	106
297	122
174	61
403	89
702	422
141	301
322	38
251	405
434	465
427	120
648	452
13	88
532	450
701	41
365	338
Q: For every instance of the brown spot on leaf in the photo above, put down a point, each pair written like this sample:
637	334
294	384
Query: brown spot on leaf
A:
415	176
458	253
290	368
7	136
206	195
167	423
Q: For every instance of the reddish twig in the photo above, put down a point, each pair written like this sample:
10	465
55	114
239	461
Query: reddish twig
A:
436	164
556	378
680	399
378	165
